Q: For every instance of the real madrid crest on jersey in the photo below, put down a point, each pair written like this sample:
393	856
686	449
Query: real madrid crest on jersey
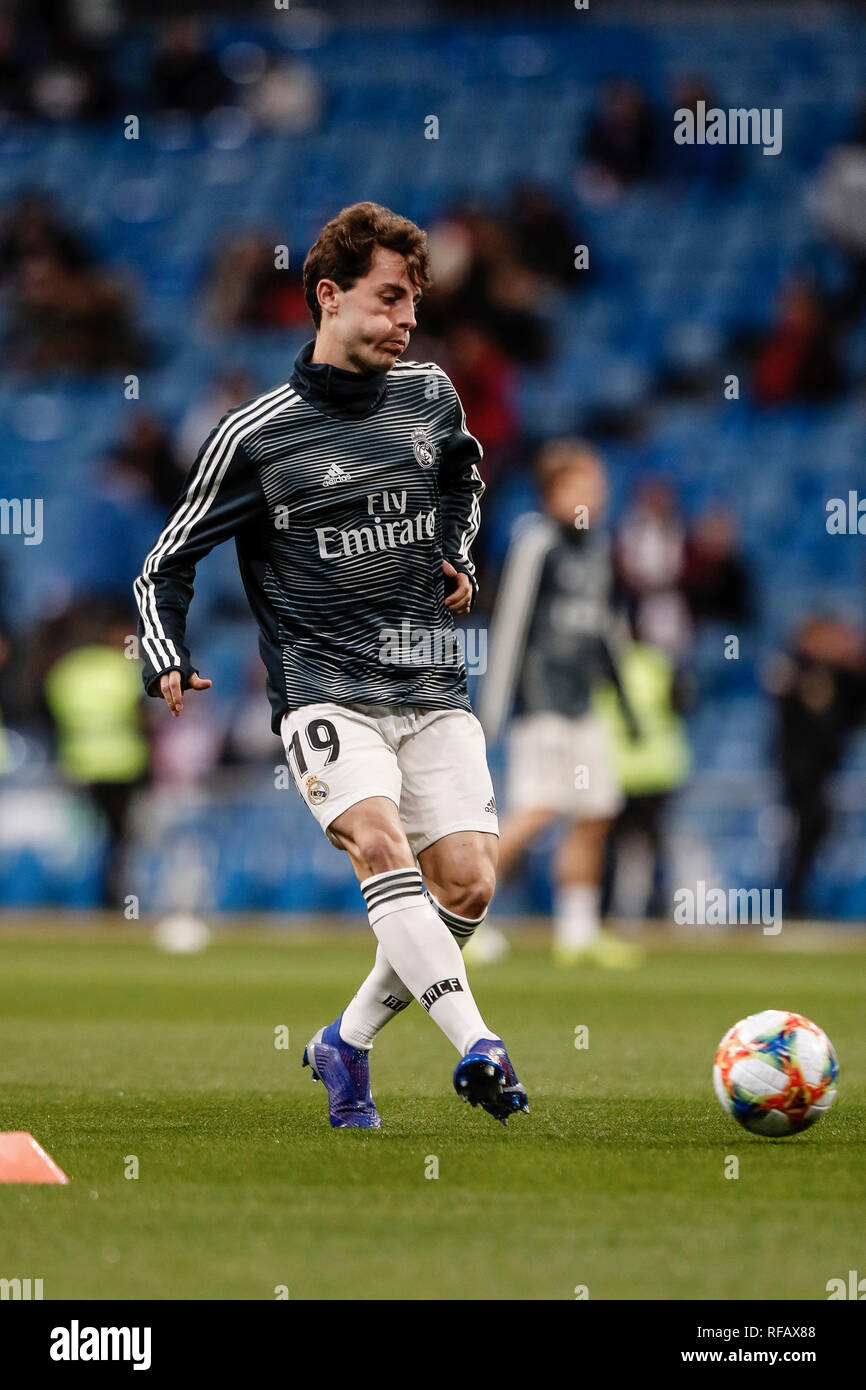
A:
317	790
423	447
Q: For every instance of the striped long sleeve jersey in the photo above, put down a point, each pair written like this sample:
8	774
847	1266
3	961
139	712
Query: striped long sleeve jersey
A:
551	635
343	493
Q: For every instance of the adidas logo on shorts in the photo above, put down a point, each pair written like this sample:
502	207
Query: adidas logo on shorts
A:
334	475
491	806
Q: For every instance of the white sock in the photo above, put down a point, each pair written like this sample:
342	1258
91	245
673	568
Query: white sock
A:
383	994
423	954
380	998
576	919
461	928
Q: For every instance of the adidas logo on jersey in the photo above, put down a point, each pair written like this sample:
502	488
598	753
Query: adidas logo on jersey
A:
334	475
491	806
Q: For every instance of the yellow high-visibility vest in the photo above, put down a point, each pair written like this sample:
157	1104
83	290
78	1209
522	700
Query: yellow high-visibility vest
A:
659	760
94	695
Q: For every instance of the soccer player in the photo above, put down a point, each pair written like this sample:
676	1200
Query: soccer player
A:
352	493
550	645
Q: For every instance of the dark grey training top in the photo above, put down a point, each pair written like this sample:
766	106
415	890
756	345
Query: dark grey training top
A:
343	492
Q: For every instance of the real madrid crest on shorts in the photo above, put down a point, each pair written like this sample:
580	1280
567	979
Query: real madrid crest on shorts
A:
317	790
423	446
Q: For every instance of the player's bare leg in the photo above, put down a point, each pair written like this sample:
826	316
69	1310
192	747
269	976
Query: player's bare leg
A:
414	940
338	1054
402	916
372	836
460	874
517	832
578	938
580	854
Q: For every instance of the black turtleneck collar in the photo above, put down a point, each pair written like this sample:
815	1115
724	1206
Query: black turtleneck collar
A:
334	390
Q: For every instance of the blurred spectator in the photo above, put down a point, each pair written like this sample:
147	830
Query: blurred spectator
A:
144	463
33	229
64	312
620	145
820	691
186	751
485	382
229	388
248	290
799	360
73	81
713	166
543	235
8	669
479	279
840	202
13	71
75	320
650	554
715	578
248	737
510	313
287	99
451	244
184	76
93	694
692	361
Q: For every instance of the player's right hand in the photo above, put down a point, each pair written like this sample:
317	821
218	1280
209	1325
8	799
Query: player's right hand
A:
170	689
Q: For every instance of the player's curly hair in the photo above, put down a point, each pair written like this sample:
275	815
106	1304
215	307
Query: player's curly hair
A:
343	250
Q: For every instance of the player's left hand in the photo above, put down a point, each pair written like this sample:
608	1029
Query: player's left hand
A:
460	599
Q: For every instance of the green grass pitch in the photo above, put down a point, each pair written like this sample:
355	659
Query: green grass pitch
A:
616	1181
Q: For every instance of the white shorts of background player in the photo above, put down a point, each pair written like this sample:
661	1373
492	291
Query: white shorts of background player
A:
562	765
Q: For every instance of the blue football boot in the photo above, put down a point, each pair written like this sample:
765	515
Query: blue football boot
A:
486	1077
345	1070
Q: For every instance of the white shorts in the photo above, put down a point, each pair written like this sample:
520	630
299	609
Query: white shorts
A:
431	763
563	765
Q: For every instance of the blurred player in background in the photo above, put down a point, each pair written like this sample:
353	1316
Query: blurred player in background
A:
352	492
650	769
93	695
820	689
550	646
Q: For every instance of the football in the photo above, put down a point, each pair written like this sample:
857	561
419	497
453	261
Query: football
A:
775	1073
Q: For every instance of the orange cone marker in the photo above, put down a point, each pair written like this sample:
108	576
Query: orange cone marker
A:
23	1160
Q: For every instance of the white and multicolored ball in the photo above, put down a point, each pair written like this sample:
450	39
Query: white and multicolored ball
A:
775	1073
